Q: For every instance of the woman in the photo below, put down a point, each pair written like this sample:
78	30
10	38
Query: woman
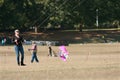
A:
19	48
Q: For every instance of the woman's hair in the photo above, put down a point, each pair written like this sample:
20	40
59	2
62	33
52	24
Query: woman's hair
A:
16	30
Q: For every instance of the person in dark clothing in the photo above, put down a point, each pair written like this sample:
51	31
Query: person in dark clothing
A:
49	51
18	40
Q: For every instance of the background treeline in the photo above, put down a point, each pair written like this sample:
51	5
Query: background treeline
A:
64	14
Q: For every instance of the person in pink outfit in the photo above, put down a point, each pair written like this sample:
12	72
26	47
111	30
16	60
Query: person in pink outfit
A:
63	53
34	52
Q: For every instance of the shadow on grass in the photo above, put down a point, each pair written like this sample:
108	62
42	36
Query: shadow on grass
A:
72	37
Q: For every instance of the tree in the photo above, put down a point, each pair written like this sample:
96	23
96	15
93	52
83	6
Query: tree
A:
67	13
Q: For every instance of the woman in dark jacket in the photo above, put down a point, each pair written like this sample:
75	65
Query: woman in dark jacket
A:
18	40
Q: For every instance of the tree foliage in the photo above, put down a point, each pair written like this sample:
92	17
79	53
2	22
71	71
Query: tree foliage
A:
51	13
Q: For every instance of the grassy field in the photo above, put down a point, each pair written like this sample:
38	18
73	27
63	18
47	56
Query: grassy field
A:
85	62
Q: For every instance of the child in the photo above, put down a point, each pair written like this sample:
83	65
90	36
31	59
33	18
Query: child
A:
49	51
63	53
34	52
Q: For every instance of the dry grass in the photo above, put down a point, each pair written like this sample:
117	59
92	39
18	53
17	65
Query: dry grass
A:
85	62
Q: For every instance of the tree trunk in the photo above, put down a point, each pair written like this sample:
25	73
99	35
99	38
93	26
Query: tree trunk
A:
36	29
80	28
